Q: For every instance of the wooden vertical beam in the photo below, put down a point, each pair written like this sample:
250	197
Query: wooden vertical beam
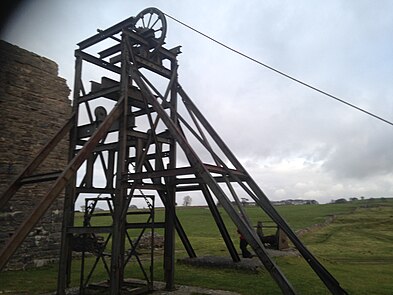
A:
64	273
119	201
170	208
111	168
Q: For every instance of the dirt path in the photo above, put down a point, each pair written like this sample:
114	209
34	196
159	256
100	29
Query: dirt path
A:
328	220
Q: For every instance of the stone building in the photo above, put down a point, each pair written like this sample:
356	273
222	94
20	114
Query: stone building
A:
34	105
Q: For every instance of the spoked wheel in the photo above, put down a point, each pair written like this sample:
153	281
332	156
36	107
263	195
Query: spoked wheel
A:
151	24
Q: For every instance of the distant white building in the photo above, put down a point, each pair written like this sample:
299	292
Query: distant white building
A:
294	202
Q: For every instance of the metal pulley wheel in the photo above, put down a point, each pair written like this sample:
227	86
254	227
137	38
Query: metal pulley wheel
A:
151	24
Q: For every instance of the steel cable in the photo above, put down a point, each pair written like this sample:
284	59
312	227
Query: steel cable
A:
281	73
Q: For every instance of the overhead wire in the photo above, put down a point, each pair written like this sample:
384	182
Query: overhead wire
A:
281	72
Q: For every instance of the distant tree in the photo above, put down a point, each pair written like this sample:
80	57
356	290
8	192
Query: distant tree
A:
362	198
353	199
133	207
311	202
187	201
83	207
340	201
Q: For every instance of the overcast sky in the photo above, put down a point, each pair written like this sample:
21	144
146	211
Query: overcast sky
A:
295	142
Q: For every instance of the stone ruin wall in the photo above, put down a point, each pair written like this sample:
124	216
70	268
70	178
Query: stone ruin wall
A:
34	105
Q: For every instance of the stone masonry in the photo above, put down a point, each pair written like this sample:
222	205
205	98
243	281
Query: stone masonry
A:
34	105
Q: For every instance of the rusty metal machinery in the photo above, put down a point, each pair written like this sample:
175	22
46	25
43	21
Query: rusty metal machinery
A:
145	139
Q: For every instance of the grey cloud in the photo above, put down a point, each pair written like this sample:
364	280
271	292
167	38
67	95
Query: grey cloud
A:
362	155
343	47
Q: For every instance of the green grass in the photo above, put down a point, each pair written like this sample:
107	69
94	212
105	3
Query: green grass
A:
357	248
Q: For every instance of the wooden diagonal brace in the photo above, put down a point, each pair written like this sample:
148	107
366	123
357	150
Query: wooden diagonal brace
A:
16	240
41	156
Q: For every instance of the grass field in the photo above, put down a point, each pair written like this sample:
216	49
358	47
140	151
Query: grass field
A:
357	248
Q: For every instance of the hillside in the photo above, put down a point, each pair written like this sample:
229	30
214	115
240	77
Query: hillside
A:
356	247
